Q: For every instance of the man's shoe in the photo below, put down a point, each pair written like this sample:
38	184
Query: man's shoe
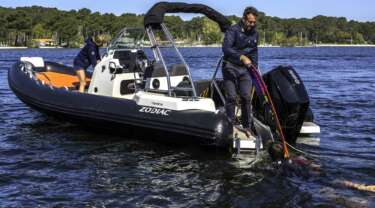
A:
247	131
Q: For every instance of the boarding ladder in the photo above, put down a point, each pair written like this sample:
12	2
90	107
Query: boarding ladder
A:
241	142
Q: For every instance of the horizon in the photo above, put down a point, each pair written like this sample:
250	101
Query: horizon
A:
334	8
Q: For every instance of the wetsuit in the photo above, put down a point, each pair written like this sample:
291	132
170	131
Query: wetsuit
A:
239	42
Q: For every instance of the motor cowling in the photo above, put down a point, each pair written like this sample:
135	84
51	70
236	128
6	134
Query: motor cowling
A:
290	98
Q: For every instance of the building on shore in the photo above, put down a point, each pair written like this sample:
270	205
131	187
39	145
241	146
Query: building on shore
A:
43	42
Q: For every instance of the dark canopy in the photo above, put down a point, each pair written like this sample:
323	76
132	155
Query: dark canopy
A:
155	15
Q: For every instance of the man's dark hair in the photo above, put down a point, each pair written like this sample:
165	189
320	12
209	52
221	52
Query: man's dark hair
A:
250	10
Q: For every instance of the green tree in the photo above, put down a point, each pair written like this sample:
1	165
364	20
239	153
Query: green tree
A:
38	31
82	17
67	29
211	31
176	26
18	26
19	23
358	38
194	28
3	30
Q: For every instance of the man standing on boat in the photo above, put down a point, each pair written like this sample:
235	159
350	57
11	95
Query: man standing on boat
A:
89	55
240	49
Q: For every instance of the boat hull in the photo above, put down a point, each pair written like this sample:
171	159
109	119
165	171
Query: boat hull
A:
118	115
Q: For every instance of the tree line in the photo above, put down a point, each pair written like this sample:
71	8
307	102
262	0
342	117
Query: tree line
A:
21	26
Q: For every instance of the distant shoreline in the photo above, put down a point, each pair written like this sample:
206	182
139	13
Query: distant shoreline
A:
336	45
219	45
278	46
13	47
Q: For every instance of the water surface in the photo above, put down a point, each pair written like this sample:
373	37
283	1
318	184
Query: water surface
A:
45	162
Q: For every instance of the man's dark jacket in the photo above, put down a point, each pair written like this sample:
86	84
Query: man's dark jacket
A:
89	55
239	42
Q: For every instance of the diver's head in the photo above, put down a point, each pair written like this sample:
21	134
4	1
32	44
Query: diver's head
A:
249	19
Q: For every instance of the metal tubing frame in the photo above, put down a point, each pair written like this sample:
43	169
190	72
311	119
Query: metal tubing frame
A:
169	36
213	81
158	56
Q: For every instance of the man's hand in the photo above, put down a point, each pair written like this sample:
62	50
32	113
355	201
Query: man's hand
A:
245	60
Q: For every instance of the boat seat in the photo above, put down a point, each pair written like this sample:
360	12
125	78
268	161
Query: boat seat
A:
178	70
36	62
157	70
59	80
155	79
126	59
58	68
129	59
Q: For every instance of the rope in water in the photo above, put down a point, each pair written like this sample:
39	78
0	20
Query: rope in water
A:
301	151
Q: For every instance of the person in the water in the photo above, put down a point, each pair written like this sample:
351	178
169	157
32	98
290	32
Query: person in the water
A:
89	55
240	48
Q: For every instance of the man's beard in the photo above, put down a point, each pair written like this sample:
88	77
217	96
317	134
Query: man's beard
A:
249	29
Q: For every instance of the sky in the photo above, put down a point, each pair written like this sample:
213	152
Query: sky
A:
360	10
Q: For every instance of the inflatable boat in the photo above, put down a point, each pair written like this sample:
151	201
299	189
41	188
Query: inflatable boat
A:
131	89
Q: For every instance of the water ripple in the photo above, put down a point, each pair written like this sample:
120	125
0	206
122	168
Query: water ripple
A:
51	163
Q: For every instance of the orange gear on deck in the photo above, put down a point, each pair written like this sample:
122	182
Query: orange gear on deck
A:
59	79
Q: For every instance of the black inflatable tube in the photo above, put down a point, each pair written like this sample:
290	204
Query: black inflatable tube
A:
105	111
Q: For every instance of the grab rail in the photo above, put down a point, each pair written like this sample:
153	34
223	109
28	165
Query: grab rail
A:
214	83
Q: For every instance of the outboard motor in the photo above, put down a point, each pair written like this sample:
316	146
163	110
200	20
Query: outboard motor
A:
290	98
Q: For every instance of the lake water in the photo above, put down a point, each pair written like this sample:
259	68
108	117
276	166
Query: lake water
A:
49	163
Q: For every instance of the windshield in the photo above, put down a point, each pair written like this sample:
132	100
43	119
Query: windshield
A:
127	38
